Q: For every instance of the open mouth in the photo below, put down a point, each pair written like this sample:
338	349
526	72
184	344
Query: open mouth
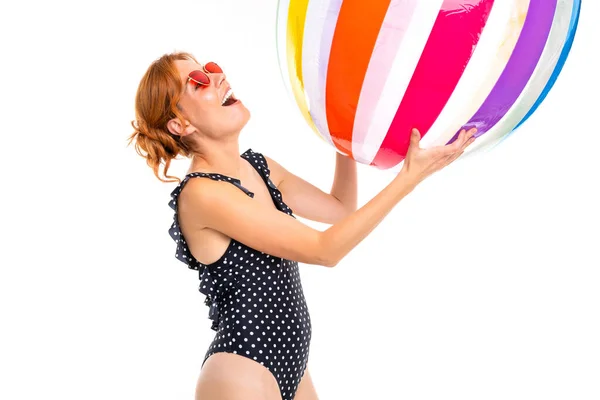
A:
229	99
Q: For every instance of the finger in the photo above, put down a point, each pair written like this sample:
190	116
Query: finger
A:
454	150
415	138
450	148
471	133
465	139
457	144
462	149
447	150
467	143
443	162
449	160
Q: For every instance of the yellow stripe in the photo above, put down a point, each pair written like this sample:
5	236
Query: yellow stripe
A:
295	36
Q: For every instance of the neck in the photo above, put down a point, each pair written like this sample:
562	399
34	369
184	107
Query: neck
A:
222	157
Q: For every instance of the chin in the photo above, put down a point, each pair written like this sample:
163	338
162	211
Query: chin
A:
240	118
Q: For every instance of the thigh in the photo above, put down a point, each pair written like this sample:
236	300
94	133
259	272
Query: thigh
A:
306	388
227	376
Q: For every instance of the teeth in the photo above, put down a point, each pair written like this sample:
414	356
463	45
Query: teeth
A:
227	96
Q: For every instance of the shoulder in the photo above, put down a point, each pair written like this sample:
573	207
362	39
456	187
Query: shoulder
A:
275	170
203	189
278	172
201	196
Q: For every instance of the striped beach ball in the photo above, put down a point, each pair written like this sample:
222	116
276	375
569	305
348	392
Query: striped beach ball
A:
365	72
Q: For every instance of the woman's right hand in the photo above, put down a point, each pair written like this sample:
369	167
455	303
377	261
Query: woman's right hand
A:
421	163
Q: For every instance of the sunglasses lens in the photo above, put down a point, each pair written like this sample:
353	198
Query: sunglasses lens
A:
199	77
213	68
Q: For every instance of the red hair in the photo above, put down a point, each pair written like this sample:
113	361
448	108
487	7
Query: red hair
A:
156	101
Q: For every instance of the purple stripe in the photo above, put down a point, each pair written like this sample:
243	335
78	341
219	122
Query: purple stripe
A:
519	69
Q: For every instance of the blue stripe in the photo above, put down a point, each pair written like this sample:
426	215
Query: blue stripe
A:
561	62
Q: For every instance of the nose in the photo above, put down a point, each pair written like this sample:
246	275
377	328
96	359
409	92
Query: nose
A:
219	79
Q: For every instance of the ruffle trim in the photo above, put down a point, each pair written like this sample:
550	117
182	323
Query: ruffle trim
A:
265	173
207	285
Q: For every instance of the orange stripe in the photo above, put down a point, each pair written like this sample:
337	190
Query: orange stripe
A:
356	32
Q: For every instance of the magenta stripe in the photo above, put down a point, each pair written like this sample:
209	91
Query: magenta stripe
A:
449	48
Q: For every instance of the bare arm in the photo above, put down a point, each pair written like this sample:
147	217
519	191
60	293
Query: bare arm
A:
223	207
344	186
310	202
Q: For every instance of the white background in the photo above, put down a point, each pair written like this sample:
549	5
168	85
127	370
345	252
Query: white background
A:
482	284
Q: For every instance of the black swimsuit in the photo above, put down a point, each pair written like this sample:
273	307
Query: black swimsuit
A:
256	300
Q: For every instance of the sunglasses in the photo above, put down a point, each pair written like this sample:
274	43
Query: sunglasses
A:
200	77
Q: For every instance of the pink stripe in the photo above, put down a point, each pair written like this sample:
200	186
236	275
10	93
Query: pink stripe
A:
448	50
393	30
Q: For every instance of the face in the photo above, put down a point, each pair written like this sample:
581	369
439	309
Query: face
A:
209	108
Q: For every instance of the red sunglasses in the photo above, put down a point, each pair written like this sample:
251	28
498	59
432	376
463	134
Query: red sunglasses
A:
200	77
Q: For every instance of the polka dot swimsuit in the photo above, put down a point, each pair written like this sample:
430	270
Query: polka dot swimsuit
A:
256	301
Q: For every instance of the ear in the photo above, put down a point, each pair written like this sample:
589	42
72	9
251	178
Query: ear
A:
177	128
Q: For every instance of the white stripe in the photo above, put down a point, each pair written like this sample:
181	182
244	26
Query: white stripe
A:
543	71
321	18
495	46
392	33
405	62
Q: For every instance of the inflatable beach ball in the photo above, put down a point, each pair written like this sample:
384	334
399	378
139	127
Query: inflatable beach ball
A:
364	73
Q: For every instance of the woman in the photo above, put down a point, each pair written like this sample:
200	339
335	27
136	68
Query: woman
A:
237	229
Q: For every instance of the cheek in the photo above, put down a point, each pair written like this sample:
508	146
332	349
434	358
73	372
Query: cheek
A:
199	108
208	97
